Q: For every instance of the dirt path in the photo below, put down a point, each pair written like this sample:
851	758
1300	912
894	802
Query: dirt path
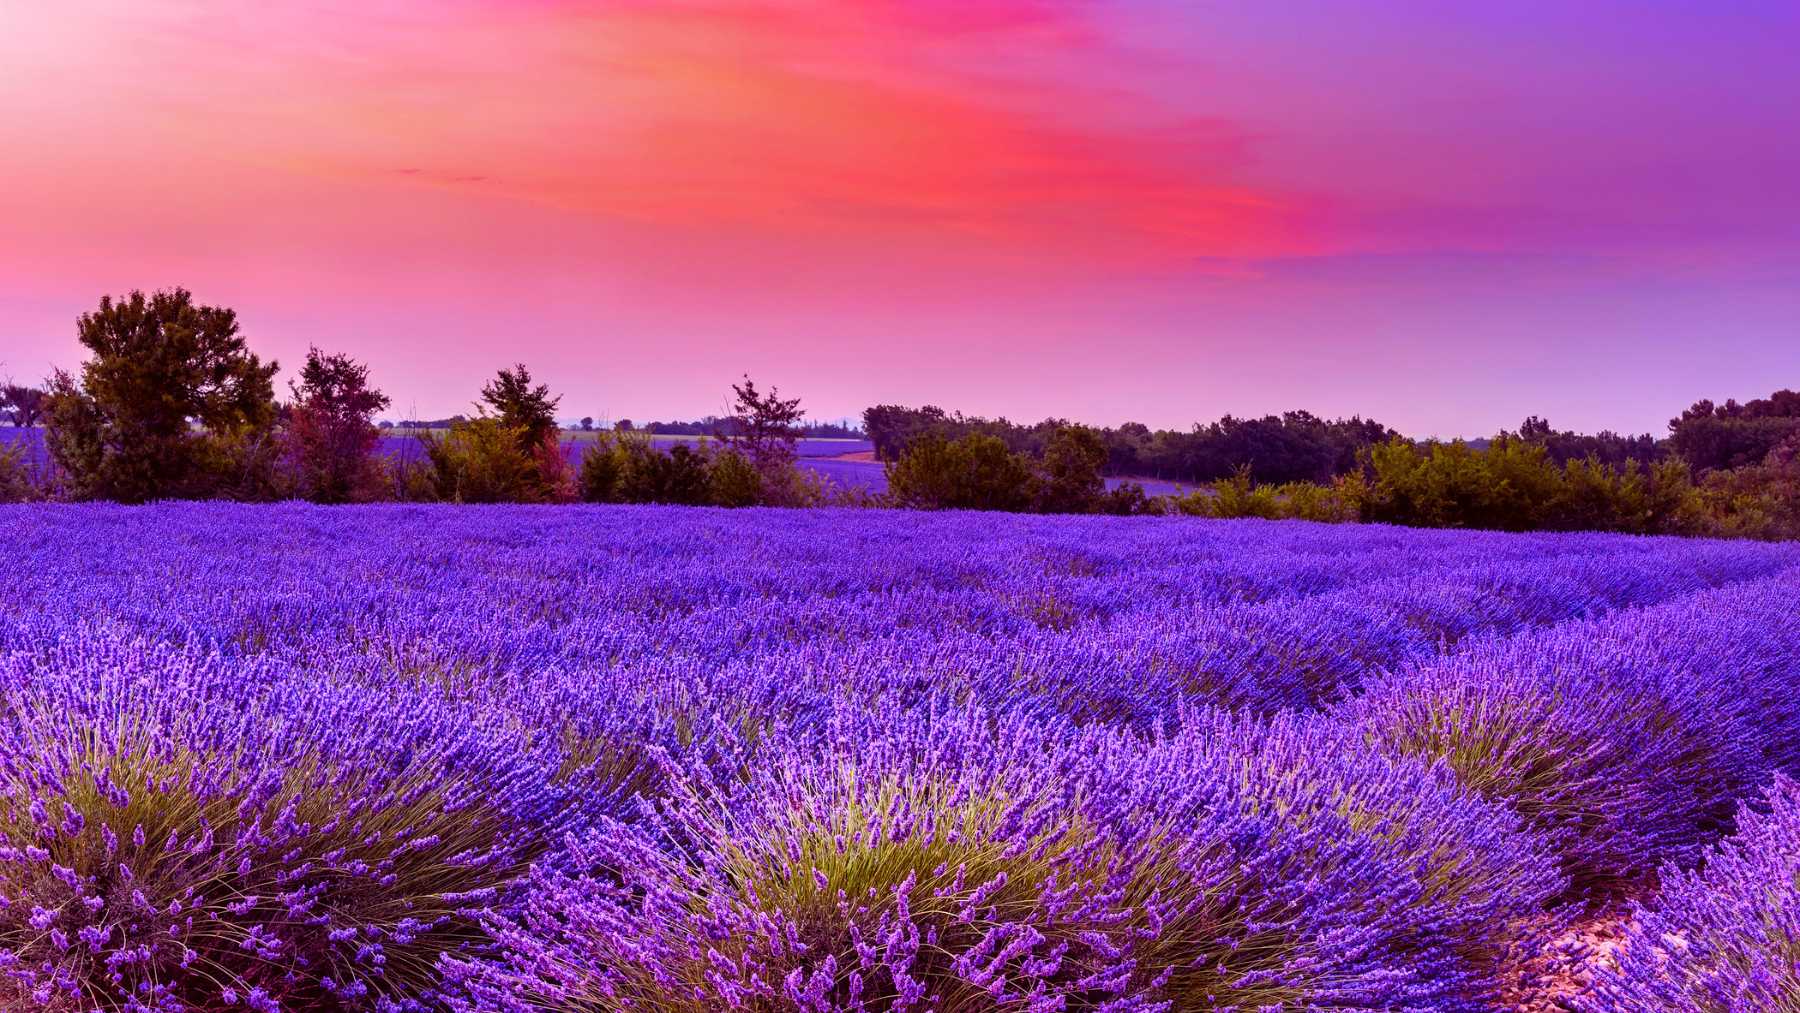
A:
1566	969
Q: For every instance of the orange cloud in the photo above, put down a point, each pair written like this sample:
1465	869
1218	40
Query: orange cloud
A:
948	124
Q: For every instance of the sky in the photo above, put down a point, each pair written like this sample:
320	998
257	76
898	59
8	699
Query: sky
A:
1444	216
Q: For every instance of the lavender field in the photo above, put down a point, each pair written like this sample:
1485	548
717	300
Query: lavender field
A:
678	760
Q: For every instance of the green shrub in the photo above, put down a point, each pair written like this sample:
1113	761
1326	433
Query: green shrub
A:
1128	500
973	472
734	479
480	461
1755	502
1072	481
625	468
410	481
1514	485
1310	501
17	483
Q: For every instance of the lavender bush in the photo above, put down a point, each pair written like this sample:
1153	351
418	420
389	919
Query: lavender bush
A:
1625	740
181	832
964	860
1726	939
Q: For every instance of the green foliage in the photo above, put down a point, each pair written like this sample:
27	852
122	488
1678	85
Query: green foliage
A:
1128	500
408	481
331	433
1733	435
530	412
1293	446
1237	496
166	378
21	405
734	479
1762	501
621	468
1072	481
17	484
1607	446
1514	485
1337	503
481	461
1240	496
603	466
973	472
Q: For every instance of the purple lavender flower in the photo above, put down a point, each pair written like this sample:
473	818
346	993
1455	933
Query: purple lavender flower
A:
1725	938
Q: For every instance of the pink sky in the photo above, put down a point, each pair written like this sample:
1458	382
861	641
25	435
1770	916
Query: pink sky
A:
1444	215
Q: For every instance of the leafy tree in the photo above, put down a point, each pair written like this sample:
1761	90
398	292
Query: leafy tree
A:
1072	466
526	410
893	428
1127	500
973	472
766	424
1762	501
587	423
529	413
623	426
677	476
482	460
1513	485
171	403
622	468
23	405
330	435
603	467
1294	446
764	428
1127	449
1606	446
1734	435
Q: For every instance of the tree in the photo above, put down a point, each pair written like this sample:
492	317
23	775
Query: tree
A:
1734	435
23	405
1073	461
587	423
481	461
763	428
331	436
765	425
527	410
973	472
172	402
623	425
529	413
1606	446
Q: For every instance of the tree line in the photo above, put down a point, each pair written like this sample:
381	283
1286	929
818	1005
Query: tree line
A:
172	403
1533	479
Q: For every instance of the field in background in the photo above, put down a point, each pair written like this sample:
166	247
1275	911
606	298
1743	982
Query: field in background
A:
825	457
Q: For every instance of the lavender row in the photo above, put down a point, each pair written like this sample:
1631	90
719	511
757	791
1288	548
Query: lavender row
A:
1625	741
1106	619
1723	939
